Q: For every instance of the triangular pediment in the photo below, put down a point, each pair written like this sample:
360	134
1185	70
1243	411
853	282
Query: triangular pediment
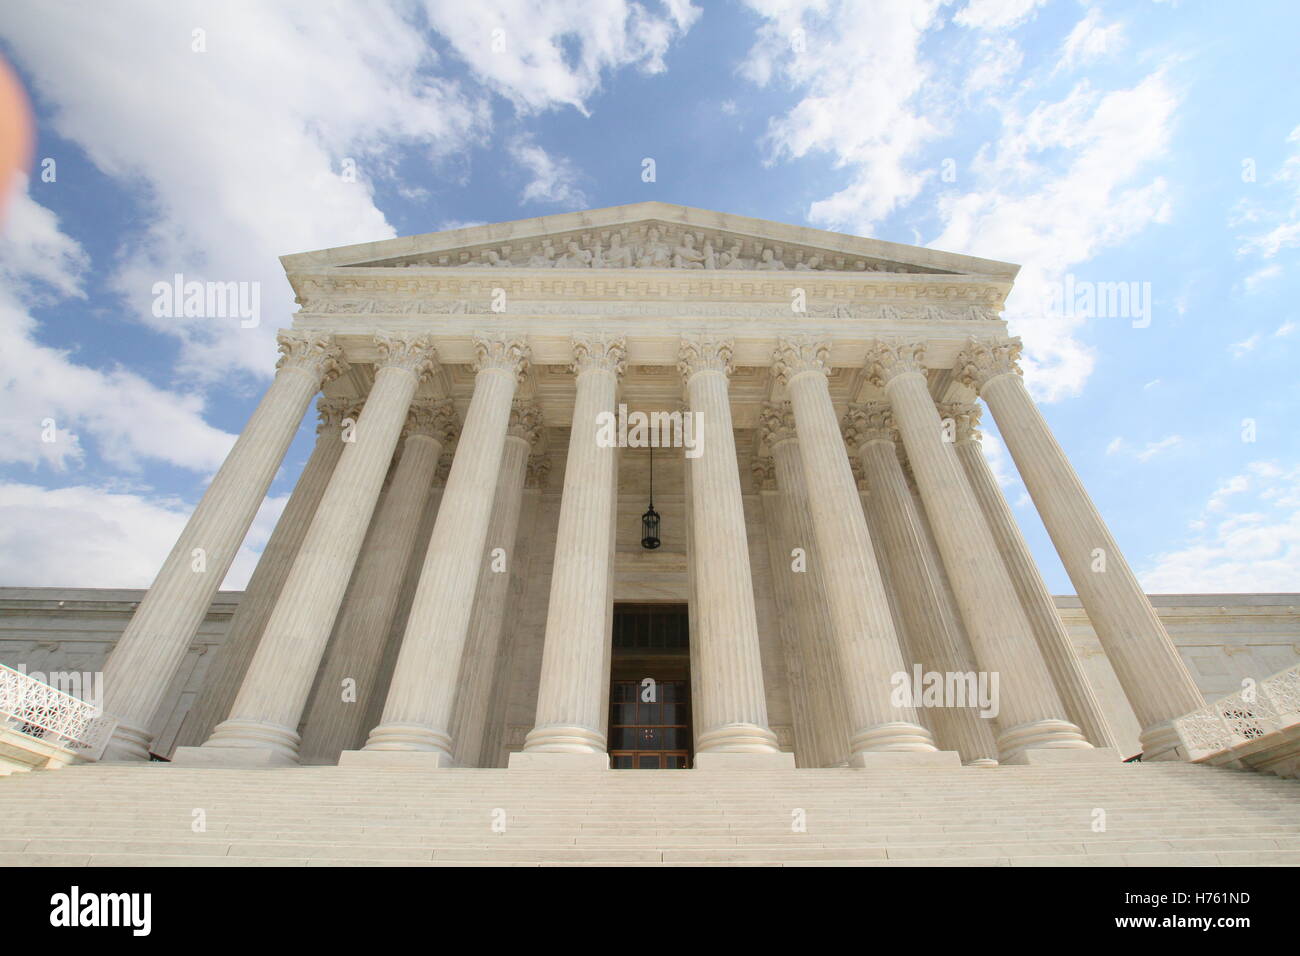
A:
650	235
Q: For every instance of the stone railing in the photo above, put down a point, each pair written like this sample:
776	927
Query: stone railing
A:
1272	707
35	709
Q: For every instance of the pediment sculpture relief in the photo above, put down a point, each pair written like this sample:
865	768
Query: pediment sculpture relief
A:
652	247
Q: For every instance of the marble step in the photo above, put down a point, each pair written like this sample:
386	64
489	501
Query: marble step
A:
1161	814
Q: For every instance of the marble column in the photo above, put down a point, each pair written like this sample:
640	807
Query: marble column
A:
337	710
730	710
527	543
263	724
930	624
1031	716
814	623
807	744
415	728
574	684
499	556
1053	640
881	729
1148	666
146	657
231	659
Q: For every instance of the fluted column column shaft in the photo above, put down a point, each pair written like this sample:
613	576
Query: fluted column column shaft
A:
231	659
808	746
815	631
270	703
144	660
574	681
731	710
1058	651
1031	714
1149	668
867	646
417	713
484	641
928	622
333	723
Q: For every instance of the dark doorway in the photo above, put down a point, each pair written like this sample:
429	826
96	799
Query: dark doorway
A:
650	688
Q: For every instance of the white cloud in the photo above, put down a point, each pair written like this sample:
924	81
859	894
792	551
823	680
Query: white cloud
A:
1086	156
1260	276
95	537
1115	447
281	97
859	72
996	14
1256	548
1238	349
1280	214
553	178
1156	447
553	52
1090	40
129	419
1286	328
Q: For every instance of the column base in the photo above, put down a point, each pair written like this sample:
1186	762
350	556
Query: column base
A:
905	759
737	738
564	739
411	738
1161	742
127	742
735	760
559	762
1052	757
1048	734
983	762
246	743
402	759
897	736
231	757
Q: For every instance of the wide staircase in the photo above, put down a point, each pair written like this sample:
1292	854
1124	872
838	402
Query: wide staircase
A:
1126	814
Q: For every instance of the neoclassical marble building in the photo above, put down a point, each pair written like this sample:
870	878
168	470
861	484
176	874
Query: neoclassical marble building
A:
457	575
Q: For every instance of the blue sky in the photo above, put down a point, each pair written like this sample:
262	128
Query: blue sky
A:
1147	142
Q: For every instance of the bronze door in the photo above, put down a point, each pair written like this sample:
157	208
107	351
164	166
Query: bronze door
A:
650	724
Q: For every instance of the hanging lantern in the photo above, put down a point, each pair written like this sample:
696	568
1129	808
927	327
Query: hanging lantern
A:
650	520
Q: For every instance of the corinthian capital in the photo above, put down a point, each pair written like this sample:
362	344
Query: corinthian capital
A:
983	360
966	418
873	421
506	353
800	353
539	472
776	419
703	353
414	353
332	411
525	421
434	418
602	353
763	473
889	358
313	352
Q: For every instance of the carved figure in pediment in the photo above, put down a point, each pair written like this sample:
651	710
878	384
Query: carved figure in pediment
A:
814	264
489	258
654	252
686	256
541	259
769	262
574	257
710	257
733	259
618	256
